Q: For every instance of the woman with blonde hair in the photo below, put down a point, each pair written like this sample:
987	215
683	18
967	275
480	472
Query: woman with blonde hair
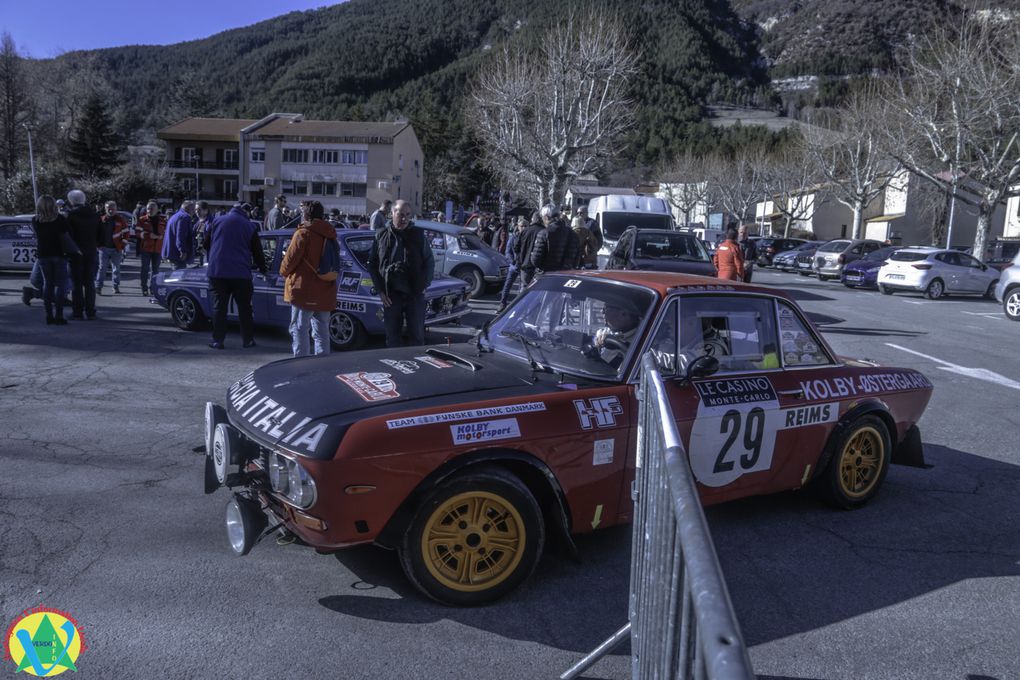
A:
51	232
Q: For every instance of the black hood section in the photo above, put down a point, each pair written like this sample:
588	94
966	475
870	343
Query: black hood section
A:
305	405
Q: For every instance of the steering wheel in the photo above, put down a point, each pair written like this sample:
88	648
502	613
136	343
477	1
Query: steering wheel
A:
610	342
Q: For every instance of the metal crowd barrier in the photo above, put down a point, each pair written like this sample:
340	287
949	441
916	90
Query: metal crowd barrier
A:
682	623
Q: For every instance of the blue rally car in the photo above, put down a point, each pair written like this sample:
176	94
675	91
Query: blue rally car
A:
863	273
184	292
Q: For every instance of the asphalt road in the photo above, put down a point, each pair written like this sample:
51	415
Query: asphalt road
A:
102	515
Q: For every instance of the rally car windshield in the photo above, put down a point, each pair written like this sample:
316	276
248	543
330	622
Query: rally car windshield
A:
562	324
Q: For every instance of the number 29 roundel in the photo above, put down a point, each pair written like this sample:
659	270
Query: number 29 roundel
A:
734	432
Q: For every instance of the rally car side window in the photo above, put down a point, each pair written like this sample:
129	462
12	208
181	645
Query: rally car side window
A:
798	343
269	249
361	249
738	331
663	344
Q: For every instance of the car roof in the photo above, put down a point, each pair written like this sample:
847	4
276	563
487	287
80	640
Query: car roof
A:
924	249
666	282
444	227
645	232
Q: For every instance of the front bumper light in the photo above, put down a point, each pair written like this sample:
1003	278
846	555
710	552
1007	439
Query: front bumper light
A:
290	479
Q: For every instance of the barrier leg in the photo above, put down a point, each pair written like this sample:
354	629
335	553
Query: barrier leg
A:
596	654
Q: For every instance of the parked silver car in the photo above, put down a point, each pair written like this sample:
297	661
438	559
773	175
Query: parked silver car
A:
831	257
461	253
1007	291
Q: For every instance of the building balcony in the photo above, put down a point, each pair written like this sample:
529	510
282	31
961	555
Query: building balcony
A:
203	165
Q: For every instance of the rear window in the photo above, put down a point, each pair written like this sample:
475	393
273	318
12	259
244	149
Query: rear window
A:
670	247
908	256
834	247
765	242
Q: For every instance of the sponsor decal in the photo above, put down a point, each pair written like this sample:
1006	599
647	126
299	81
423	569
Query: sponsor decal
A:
349	306
470	414
598	413
370	386
268	416
735	391
434	362
829	388
203	292
367	283
485	431
808	415
405	367
572	283
44	642
603	454
281	302
349	282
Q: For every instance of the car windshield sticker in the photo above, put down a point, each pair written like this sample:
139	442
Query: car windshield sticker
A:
734	431
603	452
432	361
370	386
433	418
348	306
829	388
349	282
405	367
572	283
598	412
485	431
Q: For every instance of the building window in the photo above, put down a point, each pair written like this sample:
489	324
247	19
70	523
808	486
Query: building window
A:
354	157
417	168
400	162
288	188
188	186
326	156
353	190
324	188
189	154
258	155
295	155
230	159
229	188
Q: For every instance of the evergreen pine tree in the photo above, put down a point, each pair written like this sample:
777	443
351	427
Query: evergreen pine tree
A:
94	146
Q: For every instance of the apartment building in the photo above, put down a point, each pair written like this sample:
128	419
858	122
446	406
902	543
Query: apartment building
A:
351	166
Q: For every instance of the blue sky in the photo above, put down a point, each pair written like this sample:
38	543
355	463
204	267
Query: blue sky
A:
44	28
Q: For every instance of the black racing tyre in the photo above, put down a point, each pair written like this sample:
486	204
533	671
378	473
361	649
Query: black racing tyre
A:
474	538
185	312
884	290
859	462
1011	304
473	277
345	331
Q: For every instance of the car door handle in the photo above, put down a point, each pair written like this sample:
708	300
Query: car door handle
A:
798	393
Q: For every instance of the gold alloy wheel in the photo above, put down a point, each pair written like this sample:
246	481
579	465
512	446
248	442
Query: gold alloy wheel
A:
861	461
473	541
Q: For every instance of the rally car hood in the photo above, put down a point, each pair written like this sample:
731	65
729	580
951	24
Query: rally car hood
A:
305	405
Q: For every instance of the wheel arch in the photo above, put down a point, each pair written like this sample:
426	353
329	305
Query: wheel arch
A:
532	472
866	408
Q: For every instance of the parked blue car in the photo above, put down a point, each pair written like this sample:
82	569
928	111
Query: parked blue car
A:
358	314
863	273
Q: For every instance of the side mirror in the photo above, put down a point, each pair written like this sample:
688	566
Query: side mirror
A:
984	267
702	367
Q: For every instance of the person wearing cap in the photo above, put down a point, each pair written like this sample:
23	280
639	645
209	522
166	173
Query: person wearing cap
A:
612	341
234	249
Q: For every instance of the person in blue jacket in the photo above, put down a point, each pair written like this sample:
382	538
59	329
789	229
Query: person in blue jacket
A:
178	243
232	242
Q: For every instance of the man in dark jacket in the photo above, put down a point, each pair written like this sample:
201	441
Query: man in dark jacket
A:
556	247
234	248
178	244
402	267
86	230
525	244
749	249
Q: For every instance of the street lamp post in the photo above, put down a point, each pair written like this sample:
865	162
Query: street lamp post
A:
195	158
31	163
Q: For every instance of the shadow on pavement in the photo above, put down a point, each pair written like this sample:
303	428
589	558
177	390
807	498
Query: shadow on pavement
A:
852	330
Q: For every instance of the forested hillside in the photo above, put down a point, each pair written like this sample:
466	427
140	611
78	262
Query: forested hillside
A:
373	59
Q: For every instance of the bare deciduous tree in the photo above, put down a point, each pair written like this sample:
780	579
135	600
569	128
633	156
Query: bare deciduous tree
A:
13	106
850	157
957	116
547	116
791	182
737	181
684	184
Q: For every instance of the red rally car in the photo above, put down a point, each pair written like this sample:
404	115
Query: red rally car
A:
463	458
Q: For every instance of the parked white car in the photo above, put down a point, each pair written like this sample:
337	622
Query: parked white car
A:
936	272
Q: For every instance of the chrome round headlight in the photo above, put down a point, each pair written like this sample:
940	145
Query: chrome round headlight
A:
278	473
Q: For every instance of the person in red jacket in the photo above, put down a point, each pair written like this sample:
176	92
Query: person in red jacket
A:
312	297
150	230
729	259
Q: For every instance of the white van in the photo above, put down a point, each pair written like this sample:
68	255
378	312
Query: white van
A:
615	212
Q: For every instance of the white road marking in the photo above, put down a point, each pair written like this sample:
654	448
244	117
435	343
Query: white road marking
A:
977	373
911	302
988	315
